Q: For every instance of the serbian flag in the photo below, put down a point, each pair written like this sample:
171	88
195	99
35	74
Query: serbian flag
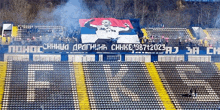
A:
107	28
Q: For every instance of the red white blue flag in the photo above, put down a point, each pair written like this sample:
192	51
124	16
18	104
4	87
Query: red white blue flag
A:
107	28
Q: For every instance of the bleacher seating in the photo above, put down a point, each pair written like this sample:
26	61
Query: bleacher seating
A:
29	30
171	33
171	36
35	35
120	85
213	32
179	77
29	34
110	85
39	86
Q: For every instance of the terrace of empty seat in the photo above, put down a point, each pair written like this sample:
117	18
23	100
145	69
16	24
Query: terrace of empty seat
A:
120	85
170	36
213	32
40	85
171	33
179	77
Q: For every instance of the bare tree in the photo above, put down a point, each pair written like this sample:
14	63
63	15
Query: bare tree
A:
152	13
16	12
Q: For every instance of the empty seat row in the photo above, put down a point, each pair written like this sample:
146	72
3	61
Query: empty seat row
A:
120	85
180	78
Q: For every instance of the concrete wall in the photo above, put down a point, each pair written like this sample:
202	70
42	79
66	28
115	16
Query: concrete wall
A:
170	57
16	57
141	58
199	58
46	57
81	58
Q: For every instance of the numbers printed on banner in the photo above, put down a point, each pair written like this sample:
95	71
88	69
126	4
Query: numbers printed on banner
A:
154	47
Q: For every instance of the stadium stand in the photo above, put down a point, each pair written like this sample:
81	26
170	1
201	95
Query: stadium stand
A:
171	33
3	68
207	34
159	86
30	30
213	32
40	85
207	37
36	35
179	77
170	36
5	40
81	86
109	85
120	85
44	69
190	34
218	65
